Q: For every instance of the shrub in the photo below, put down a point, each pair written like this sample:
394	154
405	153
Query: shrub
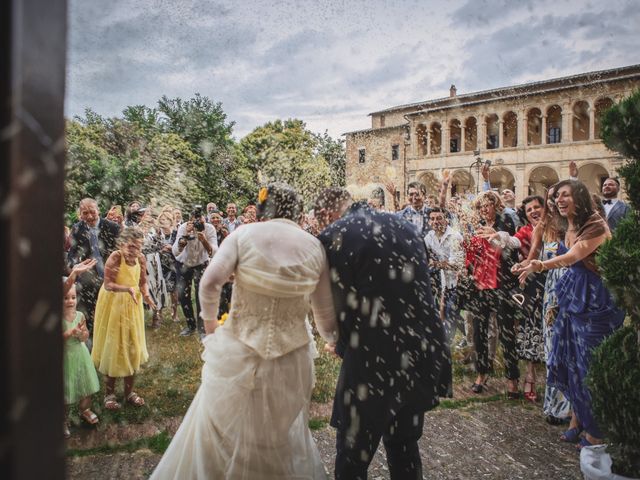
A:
614	381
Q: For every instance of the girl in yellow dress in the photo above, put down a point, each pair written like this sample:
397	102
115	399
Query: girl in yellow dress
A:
119	345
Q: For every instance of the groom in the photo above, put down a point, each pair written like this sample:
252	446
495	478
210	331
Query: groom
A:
390	337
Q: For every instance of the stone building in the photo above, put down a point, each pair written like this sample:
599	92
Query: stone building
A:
529	132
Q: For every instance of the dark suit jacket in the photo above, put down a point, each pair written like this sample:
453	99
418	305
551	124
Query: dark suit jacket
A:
390	337
617	213
81	245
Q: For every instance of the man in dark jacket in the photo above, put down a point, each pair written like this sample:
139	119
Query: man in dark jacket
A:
92	237
391	340
614	208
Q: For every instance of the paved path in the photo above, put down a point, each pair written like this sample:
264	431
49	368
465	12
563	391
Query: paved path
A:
493	440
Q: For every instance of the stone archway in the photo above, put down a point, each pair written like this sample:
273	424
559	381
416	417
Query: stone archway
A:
502	178
540	179
593	176
429	180
462	183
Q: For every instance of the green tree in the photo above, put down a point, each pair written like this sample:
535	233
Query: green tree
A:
285	151
614	375
222	174
333	152
116	161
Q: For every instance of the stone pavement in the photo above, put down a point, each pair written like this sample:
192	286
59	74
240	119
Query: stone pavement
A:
492	440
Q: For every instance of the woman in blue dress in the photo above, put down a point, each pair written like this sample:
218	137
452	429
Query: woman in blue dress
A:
586	311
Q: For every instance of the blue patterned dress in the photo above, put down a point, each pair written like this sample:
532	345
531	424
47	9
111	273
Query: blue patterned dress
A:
555	403
586	316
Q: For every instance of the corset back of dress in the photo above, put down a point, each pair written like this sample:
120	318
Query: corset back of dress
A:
276	273
272	326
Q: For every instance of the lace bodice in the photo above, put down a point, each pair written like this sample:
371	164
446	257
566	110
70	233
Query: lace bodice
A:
278	269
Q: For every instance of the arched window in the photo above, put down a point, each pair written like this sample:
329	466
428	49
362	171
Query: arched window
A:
601	106
580	121
455	136
534	127
493	133
470	134
510	130
436	138
554	124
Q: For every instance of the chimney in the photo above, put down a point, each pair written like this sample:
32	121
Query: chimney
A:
452	91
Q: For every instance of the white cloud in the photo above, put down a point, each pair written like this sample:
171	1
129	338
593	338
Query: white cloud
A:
332	62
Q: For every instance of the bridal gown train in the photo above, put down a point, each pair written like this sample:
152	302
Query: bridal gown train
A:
249	418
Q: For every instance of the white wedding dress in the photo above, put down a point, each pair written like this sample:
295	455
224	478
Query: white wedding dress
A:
249	418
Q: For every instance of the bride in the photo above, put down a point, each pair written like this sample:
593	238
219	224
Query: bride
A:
249	418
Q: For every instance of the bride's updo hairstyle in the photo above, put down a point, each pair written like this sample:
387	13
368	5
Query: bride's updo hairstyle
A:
278	200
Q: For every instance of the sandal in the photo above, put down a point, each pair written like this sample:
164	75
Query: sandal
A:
89	417
111	403
583	443
134	399
531	395
571	436
479	387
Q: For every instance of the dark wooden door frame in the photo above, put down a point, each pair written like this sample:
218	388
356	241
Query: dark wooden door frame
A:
32	83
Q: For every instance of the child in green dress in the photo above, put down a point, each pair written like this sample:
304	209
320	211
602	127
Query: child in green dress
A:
80	378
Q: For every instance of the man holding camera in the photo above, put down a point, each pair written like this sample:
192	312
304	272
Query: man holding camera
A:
195	244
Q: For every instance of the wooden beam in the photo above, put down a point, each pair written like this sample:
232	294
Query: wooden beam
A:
32	81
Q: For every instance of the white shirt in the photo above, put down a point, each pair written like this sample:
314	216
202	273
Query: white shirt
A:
194	253
608	206
447	248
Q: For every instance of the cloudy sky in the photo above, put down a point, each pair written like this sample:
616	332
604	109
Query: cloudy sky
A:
331	62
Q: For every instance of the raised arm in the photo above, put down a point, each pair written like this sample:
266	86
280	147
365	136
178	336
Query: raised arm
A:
579	251
215	276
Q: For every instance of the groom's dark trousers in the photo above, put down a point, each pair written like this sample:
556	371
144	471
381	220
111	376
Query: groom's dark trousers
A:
391	341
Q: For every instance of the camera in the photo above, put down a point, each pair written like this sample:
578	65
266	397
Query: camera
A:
198	225
197	214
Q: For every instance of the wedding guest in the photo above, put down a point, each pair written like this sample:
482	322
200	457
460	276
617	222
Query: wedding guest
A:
231	222
417	212
587	313
119	343
196	242
614	208
80	379
546	238
490	264
91	238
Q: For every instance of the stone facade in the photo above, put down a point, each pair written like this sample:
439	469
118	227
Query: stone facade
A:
529	132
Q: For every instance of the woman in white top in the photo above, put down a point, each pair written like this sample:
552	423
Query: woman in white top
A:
249	418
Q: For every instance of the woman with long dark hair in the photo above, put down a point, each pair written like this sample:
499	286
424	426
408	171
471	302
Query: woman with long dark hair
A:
545	240
586	311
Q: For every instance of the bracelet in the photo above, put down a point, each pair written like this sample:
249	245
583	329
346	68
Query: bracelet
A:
542	267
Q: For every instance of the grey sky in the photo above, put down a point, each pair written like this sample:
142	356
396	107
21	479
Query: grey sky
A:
330	63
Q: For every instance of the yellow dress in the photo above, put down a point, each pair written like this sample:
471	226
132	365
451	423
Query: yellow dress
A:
119	344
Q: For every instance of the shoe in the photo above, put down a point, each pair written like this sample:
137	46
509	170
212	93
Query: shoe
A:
65	430
583	443
555	421
187	332
89	417
479	387
531	395
513	395
571	436
155	321
463	344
